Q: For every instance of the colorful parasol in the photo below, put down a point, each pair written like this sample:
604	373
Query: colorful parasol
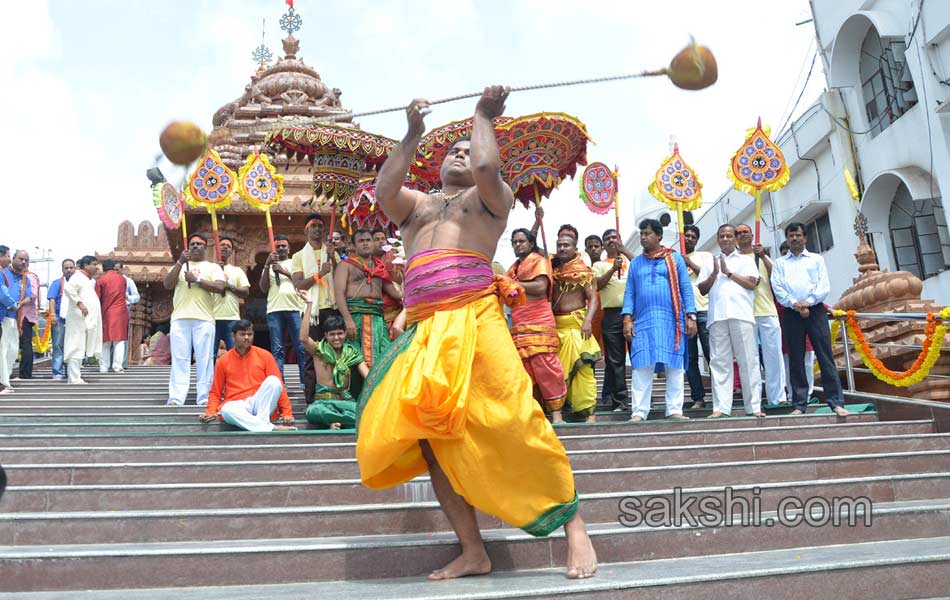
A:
537	152
340	155
362	212
756	166
677	185
211	185
261	187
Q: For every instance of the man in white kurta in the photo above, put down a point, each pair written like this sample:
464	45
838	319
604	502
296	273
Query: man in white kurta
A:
83	318
729	282
192	325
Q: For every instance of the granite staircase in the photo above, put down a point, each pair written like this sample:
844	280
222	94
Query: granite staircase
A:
113	495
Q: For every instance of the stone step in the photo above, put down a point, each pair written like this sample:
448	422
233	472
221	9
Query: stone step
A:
207	521
92	456
326	444
365	558
294	483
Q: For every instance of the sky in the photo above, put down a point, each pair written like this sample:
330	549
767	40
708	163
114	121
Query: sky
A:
90	84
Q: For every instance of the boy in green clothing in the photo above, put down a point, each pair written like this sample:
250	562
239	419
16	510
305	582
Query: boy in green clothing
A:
334	356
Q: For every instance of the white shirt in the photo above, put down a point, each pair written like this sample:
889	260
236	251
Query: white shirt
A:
701	259
131	292
728	299
802	278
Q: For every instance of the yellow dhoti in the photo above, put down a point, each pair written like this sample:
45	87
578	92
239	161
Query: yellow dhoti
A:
455	379
577	357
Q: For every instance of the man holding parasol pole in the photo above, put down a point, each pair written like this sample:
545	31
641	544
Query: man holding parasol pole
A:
425	405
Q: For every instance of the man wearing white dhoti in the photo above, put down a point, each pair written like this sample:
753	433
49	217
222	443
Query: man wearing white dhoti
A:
83	318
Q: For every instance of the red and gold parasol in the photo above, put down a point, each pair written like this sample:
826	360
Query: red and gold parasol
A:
211	185
261	187
677	185
756	166
362	212
537	152
341	156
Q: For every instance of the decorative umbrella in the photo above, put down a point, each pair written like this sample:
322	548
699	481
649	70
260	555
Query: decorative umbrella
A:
677	185
362	212
261	187
211	185
758	165
537	152
340	157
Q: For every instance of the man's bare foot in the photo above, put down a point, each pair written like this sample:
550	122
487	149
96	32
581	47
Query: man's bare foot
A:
334	425
796	412
591	419
581	558
284	428
556	417
715	415
697	406
636	419
841	411
463	566
678	416
759	414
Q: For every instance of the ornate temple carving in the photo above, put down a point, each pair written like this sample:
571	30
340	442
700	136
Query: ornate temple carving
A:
876	291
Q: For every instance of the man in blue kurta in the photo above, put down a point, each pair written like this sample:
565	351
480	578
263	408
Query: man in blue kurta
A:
658	315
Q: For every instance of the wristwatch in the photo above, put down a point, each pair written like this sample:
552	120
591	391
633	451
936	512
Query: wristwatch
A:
691	316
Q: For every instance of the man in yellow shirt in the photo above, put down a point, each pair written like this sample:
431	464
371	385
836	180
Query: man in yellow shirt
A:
695	260
611	277
312	269
192	326
227	308
283	304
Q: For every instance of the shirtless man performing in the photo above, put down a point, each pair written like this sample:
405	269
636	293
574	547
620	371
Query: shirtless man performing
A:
425	405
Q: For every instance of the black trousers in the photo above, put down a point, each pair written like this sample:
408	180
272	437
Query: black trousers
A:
697	391
817	330
614	392
26	351
309	374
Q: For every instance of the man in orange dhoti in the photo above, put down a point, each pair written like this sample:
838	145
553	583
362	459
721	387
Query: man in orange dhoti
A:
533	329
451	396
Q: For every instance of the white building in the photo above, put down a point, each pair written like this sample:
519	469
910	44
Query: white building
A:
886	117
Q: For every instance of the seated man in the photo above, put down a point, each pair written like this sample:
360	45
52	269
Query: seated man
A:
333	406
247	387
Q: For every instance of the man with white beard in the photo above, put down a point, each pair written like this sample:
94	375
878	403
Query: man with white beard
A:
83	318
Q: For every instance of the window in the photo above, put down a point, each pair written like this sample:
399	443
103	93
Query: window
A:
819	235
919	234
886	84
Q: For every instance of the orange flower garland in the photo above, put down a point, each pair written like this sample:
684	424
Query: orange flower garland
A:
929	353
44	343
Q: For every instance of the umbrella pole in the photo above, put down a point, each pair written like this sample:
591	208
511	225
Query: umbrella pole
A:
679	226
758	215
184	232
537	204
214	231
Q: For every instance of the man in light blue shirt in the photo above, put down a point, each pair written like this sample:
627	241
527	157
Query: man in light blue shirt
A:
57	317
800	282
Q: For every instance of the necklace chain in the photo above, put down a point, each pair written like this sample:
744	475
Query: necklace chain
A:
446	198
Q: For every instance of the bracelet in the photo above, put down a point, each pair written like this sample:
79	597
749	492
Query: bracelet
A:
318	279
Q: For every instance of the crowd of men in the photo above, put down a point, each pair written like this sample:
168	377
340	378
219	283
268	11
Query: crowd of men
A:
756	320
337	304
88	316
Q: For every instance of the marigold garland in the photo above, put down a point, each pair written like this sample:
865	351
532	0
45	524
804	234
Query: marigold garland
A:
42	344
929	352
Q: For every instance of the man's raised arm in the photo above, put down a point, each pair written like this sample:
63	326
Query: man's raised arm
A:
495	194
396	201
